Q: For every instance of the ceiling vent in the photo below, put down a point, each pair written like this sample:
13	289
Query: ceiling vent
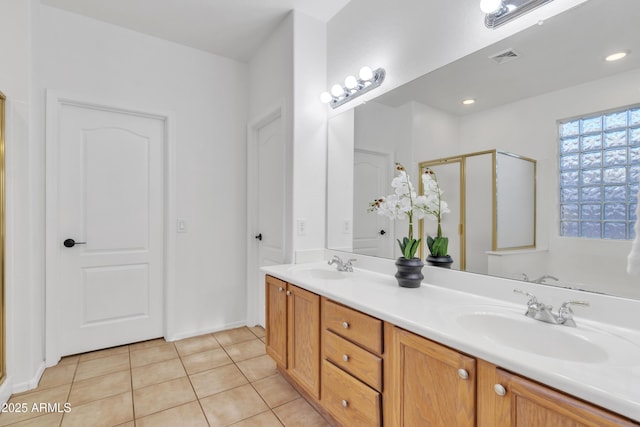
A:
505	56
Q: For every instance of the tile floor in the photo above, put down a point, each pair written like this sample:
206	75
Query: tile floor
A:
218	379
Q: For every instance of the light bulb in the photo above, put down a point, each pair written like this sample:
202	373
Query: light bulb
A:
337	90
351	82
365	73
490	6
617	55
325	97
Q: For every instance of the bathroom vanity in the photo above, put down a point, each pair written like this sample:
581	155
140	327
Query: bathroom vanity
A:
367	352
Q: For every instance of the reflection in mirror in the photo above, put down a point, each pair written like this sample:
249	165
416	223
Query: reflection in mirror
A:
520	103
494	197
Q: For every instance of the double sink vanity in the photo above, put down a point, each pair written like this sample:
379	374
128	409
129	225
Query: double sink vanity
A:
365	351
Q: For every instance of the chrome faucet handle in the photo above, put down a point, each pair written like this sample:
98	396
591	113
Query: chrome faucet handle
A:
349	266
533	306
565	313
532	298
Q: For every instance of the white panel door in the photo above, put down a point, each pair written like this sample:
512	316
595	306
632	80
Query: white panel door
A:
373	234
110	202
271	193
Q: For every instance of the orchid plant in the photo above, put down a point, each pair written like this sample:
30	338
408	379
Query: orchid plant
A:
405	203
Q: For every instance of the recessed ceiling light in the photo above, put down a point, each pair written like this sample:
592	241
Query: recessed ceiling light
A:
617	55
468	101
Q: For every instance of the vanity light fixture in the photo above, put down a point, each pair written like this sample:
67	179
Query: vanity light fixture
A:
500	12
468	101
617	55
353	87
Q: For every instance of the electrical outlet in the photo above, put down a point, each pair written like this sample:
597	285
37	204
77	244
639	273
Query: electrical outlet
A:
301	227
346	226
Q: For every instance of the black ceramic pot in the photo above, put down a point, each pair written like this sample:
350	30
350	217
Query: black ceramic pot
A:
409	273
440	261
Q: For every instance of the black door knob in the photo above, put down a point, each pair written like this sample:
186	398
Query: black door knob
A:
69	243
259	236
382	232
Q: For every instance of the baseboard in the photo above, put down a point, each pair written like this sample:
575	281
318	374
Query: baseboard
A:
32	383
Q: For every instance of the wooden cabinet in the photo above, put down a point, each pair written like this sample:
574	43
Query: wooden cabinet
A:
427	384
360	371
508	400
352	366
293	332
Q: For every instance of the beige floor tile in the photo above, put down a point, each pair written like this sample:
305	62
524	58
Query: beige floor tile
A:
49	420
104	365
146	344
299	413
217	380
104	353
246	350
69	360
258	367
57	394
265	419
158	397
189	414
275	390
196	344
234	336
155	373
129	424
99	387
153	354
234	405
258	331
206	360
57	375
106	412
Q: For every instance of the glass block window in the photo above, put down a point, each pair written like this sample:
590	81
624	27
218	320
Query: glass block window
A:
600	174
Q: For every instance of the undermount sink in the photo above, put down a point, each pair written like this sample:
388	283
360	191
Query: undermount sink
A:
516	331
319	273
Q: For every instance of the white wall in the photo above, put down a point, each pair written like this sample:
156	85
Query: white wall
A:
208	98
309	132
24	229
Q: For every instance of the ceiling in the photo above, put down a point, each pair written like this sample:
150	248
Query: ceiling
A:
230	28
566	50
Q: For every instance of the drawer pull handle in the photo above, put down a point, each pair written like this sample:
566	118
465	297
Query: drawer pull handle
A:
345	357
288	293
463	374
500	390
280	289
345	325
344	403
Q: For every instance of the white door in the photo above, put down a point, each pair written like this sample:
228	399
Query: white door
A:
108	198
270	180
373	234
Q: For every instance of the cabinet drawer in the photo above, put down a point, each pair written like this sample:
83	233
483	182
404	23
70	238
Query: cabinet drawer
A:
360	328
366	366
350	401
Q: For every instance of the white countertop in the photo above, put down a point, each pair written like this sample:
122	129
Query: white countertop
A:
430	311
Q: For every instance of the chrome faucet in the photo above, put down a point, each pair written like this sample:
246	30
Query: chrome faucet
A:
341	265
540	280
542	312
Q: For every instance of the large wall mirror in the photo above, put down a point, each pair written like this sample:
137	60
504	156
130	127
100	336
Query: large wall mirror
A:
523	87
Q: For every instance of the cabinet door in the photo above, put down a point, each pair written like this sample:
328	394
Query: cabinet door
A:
429	384
529	404
276	320
304	339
